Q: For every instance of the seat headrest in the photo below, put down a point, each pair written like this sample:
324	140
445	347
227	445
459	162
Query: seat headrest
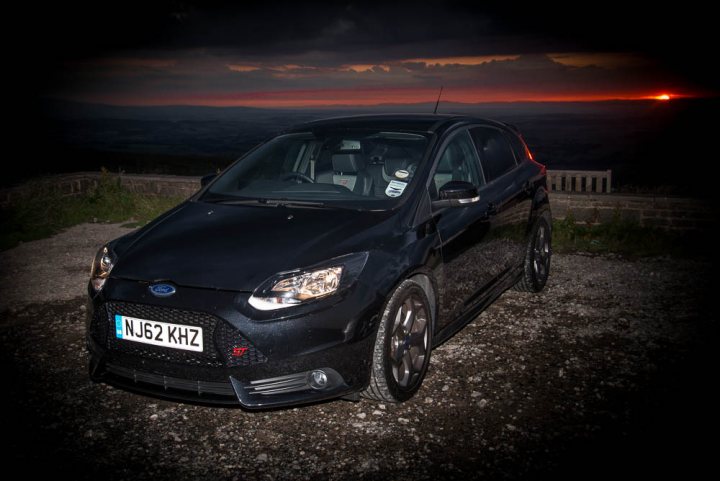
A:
347	163
393	165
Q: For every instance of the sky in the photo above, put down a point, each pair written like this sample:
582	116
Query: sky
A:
306	54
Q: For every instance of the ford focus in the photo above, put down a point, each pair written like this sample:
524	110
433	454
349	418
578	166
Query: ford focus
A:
327	262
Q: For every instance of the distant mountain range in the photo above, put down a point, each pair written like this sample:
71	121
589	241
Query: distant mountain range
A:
70	110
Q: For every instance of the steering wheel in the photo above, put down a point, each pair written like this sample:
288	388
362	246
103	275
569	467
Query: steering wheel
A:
297	175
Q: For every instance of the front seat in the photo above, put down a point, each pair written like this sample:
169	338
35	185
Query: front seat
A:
392	166
384	173
349	171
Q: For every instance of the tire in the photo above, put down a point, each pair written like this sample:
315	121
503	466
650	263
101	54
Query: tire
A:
402	349
538	252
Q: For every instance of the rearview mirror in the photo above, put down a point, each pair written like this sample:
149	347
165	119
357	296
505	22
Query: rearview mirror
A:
457	193
206	179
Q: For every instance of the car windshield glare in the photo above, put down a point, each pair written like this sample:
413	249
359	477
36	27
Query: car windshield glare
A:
361	169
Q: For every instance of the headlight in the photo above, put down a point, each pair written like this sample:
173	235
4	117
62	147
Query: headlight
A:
289	289
101	267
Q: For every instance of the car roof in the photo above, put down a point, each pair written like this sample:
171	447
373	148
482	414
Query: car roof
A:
432	123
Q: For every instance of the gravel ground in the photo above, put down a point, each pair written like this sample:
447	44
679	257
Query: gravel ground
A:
53	269
605	373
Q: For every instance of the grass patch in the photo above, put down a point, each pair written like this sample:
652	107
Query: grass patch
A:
46	213
627	238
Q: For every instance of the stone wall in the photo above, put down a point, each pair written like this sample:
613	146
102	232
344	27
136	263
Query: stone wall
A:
677	213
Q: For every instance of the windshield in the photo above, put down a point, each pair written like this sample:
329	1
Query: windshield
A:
356	169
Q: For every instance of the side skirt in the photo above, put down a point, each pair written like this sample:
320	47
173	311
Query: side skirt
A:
474	309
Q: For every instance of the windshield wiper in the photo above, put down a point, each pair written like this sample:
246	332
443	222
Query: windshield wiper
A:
293	203
231	200
273	202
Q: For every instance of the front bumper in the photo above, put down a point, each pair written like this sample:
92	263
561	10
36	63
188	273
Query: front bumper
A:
280	355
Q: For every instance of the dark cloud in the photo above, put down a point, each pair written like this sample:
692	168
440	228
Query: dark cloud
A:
60	38
289	27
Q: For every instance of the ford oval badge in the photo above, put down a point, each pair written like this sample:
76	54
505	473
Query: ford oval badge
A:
162	290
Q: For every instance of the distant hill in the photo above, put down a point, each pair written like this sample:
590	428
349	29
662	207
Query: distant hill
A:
69	110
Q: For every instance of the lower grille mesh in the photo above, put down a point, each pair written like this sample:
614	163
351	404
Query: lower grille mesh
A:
166	382
235	349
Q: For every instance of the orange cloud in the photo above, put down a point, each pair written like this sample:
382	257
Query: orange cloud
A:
365	68
474	60
375	67
280	70
243	68
291	66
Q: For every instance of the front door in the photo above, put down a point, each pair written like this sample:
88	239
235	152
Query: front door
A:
463	231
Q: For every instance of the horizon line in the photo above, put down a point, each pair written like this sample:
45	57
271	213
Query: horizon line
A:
385	104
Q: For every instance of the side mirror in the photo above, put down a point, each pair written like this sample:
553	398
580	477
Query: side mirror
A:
206	179
457	193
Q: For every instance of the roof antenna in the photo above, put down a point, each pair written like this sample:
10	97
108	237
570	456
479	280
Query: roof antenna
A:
438	100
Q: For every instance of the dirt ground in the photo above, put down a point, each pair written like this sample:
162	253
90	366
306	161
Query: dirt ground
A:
609	372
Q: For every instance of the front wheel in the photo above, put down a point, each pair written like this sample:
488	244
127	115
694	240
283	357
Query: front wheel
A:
538	252
402	347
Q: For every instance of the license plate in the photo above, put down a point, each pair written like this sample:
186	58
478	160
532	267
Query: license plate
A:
176	336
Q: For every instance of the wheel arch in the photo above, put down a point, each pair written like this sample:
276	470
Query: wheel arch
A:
540	207
427	284
426	278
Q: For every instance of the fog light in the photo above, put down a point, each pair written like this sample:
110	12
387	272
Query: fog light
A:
318	379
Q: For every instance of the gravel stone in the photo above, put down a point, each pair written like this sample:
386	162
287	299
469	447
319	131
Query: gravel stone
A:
53	269
599	376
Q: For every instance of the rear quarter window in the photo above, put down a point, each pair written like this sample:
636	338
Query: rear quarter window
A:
518	146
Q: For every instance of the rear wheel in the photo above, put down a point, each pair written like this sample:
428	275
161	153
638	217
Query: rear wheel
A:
402	347
538	252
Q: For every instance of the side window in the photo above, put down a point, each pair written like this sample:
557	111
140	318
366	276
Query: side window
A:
518	146
496	156
457	162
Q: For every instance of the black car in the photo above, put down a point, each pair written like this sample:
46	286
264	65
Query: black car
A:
327	262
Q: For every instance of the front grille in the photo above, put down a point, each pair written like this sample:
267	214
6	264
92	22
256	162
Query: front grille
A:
219	338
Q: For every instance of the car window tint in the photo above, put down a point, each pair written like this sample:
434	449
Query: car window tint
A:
496	156
518	146
458	161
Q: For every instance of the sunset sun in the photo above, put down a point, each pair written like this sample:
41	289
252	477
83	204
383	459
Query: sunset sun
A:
662	97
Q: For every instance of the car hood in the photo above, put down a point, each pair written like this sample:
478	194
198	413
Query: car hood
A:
235	247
